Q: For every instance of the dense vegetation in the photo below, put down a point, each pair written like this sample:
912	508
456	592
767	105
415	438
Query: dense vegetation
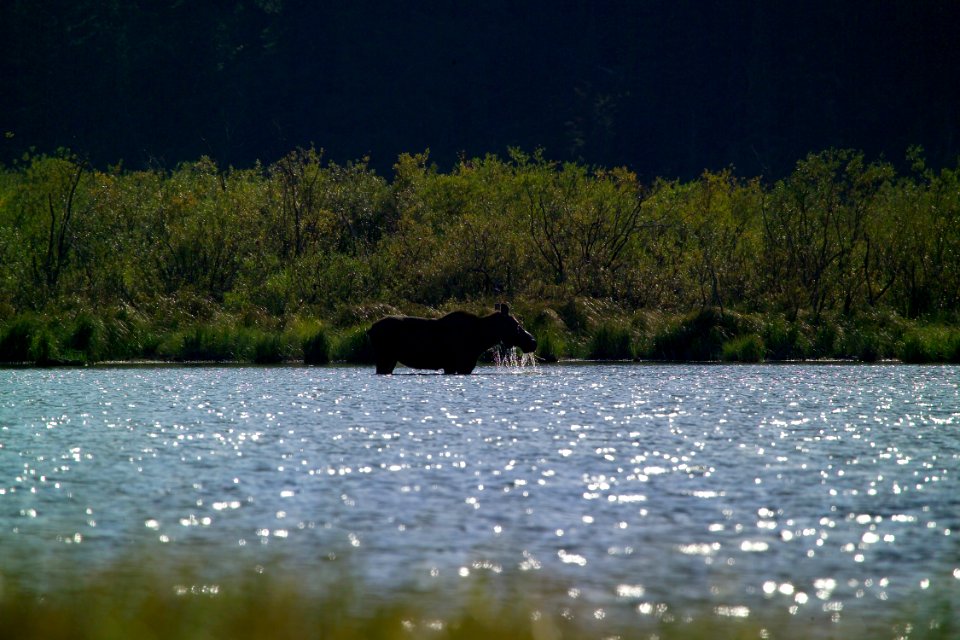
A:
844	257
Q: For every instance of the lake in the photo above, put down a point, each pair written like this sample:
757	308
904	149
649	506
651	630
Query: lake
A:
824	491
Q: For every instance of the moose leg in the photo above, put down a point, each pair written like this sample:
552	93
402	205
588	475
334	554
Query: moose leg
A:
465	365
385	365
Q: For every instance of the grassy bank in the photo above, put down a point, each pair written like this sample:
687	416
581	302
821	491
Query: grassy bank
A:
579	328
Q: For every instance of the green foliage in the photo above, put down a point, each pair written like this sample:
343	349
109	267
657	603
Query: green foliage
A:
610	342
86	337
931	344
187	254
353	347
550	346
574	315
785	340
748	348
209	344
268	349
316	348
16	340
42	348
699	336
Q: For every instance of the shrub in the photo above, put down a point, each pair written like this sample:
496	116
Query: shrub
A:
354	347
862	344
574	314
549	346
748	348
16	341
697	337
785	340
211	344
43	348
316	348
610	342
825	340
268	349
931	344
85	340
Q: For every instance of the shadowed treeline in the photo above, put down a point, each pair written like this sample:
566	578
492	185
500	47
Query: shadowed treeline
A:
663	88
843	257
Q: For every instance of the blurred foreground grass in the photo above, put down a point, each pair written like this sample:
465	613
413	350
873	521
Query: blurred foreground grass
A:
137	601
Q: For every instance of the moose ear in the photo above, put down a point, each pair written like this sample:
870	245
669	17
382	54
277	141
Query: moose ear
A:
504	308
496	306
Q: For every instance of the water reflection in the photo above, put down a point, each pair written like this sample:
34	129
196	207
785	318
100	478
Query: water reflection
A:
819	490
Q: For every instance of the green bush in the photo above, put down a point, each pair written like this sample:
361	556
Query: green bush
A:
549	346
85	339
268	349
699	336
785	340
574	314
353	347
43	348
861	344
16	340
610	342
931	344
213	344
748	348
316	348
826	337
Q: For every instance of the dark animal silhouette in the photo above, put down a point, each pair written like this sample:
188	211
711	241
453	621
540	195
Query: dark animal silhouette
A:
452	343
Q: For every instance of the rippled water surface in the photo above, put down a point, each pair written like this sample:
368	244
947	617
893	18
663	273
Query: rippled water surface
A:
821	490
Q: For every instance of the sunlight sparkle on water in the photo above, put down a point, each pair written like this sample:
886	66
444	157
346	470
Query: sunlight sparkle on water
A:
731	487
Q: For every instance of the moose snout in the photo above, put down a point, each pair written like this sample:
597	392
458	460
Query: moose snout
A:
529	343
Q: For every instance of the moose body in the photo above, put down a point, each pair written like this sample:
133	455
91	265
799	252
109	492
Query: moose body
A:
452	343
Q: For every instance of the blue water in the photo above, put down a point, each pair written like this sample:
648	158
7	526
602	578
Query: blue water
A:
822	491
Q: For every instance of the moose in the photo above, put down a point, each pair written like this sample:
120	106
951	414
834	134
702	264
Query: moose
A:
452	343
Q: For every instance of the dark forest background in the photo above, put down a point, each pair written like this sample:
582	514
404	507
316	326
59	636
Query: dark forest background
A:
664	88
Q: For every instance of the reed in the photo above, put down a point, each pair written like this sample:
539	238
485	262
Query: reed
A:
316	347
698	337
610	341
550	346
595	330
16	340
748	348
931	344
353	347
785	340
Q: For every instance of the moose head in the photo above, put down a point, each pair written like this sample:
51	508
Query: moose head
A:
509	330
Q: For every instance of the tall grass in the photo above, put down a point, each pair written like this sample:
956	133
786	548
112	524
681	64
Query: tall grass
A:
353	347
748	348
316	347
699	336
550	347
610	341
16	341
931	344
595	330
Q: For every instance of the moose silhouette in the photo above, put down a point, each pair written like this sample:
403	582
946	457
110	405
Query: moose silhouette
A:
452	343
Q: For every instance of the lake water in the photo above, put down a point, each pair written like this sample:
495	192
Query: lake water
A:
824	491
